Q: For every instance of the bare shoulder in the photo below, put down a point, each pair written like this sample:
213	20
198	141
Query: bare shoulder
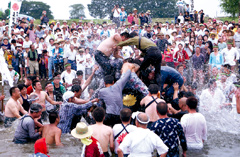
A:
108	128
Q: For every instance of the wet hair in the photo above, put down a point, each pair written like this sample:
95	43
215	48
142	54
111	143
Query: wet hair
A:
34	83
29	78
13	41
109	79
98	114
76	81
49	82
153	88
12	90
180	65
162	108
125	114
53	115
79	72
228	66
76	88
125	34
21	86
133	34
210	82
192	102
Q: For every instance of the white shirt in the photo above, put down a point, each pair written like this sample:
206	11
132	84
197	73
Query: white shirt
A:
181	18
50	50
126	52
71	55
115	13
142	143
195	129
27	43
116	130
80	66
230	55
211	103
68	77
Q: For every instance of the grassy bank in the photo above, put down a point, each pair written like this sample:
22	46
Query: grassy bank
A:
100	21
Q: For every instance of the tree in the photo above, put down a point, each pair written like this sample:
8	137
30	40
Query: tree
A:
159	9
231	6
34	9
77	11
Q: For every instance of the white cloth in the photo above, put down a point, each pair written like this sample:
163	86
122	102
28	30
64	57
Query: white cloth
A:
68	77
142	143
230	55
126	52
116	130
71	55
50	50
115	13
27	43
212	103
80	66
195	129
181	18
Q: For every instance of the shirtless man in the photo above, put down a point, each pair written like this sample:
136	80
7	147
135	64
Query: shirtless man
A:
13	107
103	133
51	132
104	51
150	103
42	97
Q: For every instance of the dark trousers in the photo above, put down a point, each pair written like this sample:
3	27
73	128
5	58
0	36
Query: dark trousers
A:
42	71
154	57
111	119
58	67
104	62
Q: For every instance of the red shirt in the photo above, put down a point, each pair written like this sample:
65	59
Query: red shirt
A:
94	149
168	55
29	90
181	56
130	19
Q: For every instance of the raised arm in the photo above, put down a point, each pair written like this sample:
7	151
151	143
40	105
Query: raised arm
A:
52	101
89	80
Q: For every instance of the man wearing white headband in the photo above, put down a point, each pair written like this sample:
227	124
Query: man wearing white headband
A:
142	141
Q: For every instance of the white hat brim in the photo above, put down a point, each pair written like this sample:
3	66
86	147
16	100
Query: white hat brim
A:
88	134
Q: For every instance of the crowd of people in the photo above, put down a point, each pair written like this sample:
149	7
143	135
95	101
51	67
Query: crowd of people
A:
124	78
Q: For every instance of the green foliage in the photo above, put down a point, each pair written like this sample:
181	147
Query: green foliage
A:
231	6
158	8
77	11
35	8
3	15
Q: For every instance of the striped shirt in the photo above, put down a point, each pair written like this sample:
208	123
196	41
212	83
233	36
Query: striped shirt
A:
68	111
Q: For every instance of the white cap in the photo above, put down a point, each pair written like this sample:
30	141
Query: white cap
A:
67	95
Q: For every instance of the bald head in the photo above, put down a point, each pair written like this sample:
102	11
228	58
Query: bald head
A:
182	103
142	119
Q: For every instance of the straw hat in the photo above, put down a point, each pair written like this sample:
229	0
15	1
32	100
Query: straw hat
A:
212	33
232	33
82	131
134	9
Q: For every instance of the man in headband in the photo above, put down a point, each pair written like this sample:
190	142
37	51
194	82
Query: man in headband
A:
142	141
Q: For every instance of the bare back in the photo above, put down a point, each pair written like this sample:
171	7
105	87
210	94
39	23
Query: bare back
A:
109	44
50	133
103	134
151	110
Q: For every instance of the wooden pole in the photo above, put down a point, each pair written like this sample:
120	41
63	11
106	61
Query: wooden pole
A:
2	92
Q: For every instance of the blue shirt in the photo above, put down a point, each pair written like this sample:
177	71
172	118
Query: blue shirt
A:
68	111
58	59
169	130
